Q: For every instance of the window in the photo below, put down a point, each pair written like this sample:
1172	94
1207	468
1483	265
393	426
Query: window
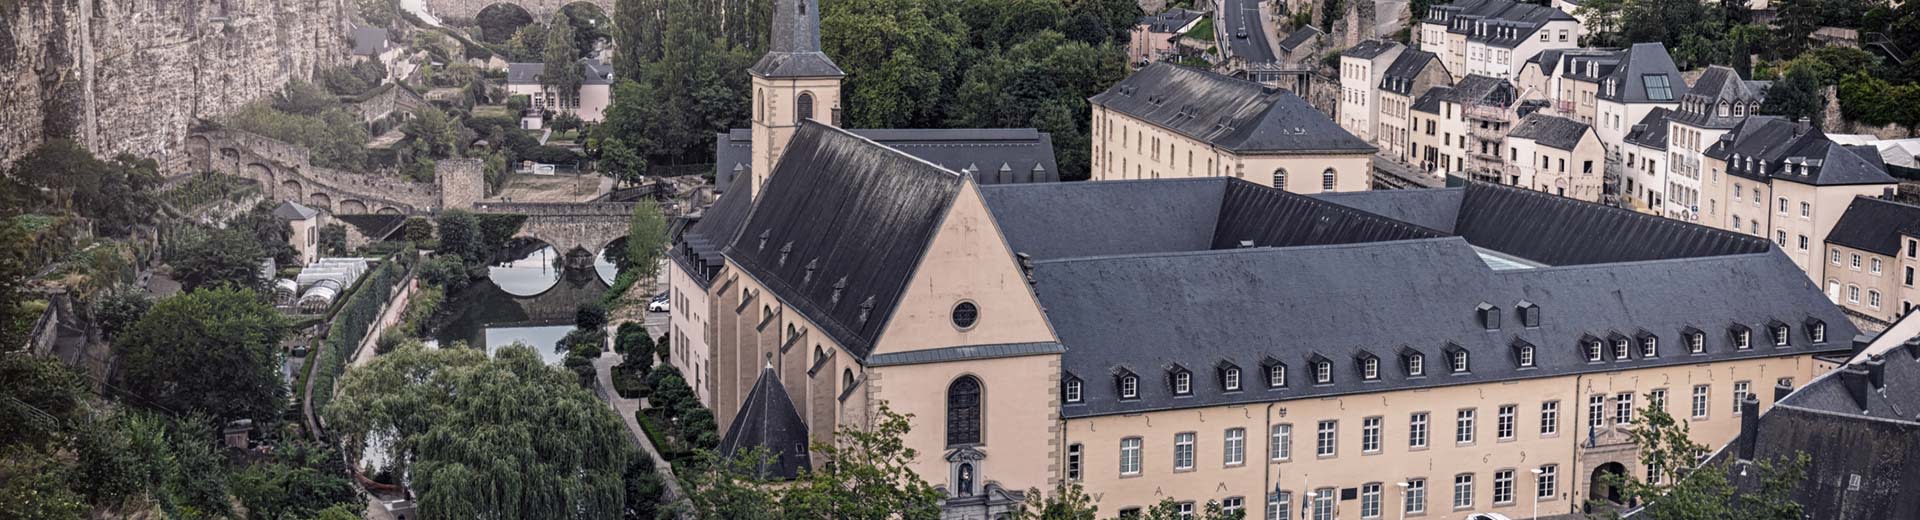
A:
1417	430
1324	439
1276	376
1620	349
1806	209
1182	383
1503	423
1525	354
1546	484
1130	456
1235	447
1073	461
1370	500
963	412
1326	180
1416	364
1072	391
1853	293
1803	242
1700	401
1783	205
1463	426
1873	299
1459	358
1658	88
1549	418
1657	398
1874	266
965	315
1323	503
804	106
1780	335
1818	331
1743	339
1230	379
1280	505
1184	509
1463	491
1740	394
1834	256
1594	350
1779	237
1323	372
1370	435
1370	368
1280	444
1503	486
1416	498
1596	411
1697	342
1233	506
1183	451
1280	179
1129	387
1623	408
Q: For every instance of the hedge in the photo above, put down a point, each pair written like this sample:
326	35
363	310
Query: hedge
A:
353	319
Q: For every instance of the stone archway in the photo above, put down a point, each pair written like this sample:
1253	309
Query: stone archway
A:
1600	489
321	201
199	153
289	190
498	21
388	210
352	207
260	173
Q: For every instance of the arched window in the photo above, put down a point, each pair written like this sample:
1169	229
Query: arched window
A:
846	380
963	411
1326	180
1280	179
805	105
760	108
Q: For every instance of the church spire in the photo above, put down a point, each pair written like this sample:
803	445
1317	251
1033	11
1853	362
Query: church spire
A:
794	50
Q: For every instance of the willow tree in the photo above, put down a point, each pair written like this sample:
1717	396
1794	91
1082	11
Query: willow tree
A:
507	437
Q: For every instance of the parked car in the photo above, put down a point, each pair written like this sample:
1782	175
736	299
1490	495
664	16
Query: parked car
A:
659	303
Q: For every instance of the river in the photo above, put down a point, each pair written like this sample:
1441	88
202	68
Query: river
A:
525	301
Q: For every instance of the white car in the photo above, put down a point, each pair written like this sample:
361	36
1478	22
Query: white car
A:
659	304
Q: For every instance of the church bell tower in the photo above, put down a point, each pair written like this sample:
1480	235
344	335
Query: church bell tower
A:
795	81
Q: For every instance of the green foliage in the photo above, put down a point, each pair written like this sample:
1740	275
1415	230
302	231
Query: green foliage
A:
50	392
16	319
207	187
224	258
1042	82
416	229
447	272
213	351
1203	30
562	57
127	455
1680	490
423	311
305	480
378	13
1875	101
335	138
431	133
1697	34
460	236
591	315
644	489
1168	509
499	22
119	309
865	474
356	79
631	339
269	231
1066	502
1798	95
34	487
646	240
353	319
62	177
507	437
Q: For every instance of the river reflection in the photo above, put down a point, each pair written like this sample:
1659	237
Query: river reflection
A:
527	301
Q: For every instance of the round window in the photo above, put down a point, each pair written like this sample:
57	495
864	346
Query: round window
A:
965	315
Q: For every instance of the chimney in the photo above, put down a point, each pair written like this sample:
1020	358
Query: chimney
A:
1877	371
1888	193
1246	244
1749	425
1854	378
1026	266
1913	348
1781	390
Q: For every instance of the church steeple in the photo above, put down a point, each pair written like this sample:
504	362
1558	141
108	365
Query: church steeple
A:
794	49
794	82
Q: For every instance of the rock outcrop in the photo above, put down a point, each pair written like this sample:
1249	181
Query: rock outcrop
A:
131	76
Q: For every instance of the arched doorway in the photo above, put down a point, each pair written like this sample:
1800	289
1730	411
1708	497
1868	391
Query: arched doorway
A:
1604	484
498	22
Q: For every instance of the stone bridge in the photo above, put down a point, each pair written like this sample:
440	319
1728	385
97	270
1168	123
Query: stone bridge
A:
286	172
587	226
540	9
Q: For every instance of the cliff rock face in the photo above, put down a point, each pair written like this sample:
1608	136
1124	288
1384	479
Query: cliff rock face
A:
131	75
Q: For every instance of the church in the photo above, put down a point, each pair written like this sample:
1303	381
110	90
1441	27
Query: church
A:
1436	353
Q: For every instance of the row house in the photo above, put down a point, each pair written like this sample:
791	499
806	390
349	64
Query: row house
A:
1642	177
1555	155
1645	79
1462	129
1169	122
1362	69
1569	79
1786	181
1872	255
1408	78
1494	37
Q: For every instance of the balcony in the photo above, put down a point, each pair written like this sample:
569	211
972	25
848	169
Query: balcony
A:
1494	113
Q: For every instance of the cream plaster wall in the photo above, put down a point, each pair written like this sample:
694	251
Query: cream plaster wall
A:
776	116
1128	148
967	261
1019	416
688	308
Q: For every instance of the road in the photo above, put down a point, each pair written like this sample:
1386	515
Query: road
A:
1243	17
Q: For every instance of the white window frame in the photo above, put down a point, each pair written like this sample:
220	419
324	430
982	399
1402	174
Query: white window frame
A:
1463	491
1504	419
1233	448
1280	442
1131	458
1418	429
1503	484
1185	444
1463	425
1130	387
1701	397
1277	376
1370	434
1231	379
1073	391
1326	439
1323	372
1416	496
1623	408
1546	484
1549	418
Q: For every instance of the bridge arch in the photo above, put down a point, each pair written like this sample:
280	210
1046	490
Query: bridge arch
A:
388	210
499	20
352	207
321	201
289	189
470	9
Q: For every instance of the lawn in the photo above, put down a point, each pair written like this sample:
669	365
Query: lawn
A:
1202	30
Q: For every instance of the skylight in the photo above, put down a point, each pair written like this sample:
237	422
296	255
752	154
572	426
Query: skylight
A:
1657	87
1504	262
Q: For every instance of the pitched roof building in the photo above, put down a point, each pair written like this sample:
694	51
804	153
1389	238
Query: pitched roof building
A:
1494	37
991	155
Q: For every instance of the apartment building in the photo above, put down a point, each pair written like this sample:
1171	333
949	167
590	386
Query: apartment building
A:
1408	78
1362	69
1555	155
1787	182
1718	101
1872	253
589	102
1169	122
1494	37
1643	172
1152	38
1462	129
1643	79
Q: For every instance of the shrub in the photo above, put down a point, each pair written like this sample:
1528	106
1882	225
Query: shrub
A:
446	272
663	347
582	368
389	340
591	315
631	338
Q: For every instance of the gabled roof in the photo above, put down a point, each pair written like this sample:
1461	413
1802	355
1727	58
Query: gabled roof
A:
1370	49
1644	69
1501	23
768	420
862	214
1875	225
700	246
1299	36
793	49
592	72
1430	101
1170	20
1550	131
1651	131
1235	114
1719	84
1794	152
992	155
1405	70
1552	60
290	210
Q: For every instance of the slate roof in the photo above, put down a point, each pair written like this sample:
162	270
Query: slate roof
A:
793	49
1718	84
290	210
992	155
1299	37
1508	22
1170	20
1550	131
1430	101
369	41
843	211
699	248
592	72
1471	90
769	421
1651	131
1369	49
1401	74
1639	72
1235	114
1785	150
1872	224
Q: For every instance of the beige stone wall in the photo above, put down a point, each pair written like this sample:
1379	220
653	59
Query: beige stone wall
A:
1127	148
1807	227
305	239
752	329
1445	149
967	261
776	116
1572	173
1214	477
689	307
1862	281
1393	139
1020	407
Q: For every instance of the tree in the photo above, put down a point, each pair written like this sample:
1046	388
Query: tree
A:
50	391
646	239
563	72
15	317
303	481
865	474
225	258
1067	502
431	132
1684	490
460	235
119	309
61	177
333	240
1798	95
505	437
303	98
499	22
214	351
1168	509
269	231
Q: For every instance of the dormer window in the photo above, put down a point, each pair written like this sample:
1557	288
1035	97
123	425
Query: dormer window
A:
1595	350
1416	364
1742	338
1649	346
1230	379
1697	342
1370	368
1070	392
1523	354
1180	380
1322	372
1780	335
1621	350
1129	387
1529	314
1816	331
1458	357
1276	376
1489	316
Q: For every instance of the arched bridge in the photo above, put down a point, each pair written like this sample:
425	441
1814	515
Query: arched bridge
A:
540	9
286	172
587	226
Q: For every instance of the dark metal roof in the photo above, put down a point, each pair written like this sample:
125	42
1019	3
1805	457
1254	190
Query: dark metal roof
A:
1405	70
1370	49
1170	20
793	50
1651	131
291	210
843	211
1430	101
1235	114
1719	84
1637	78
1508	23
699	247
992	155
1794	152
1437	209
1299	36
769	421
1872	224
1561	231
1550	131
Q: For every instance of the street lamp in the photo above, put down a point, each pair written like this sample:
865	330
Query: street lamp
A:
1403	497
1536	492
